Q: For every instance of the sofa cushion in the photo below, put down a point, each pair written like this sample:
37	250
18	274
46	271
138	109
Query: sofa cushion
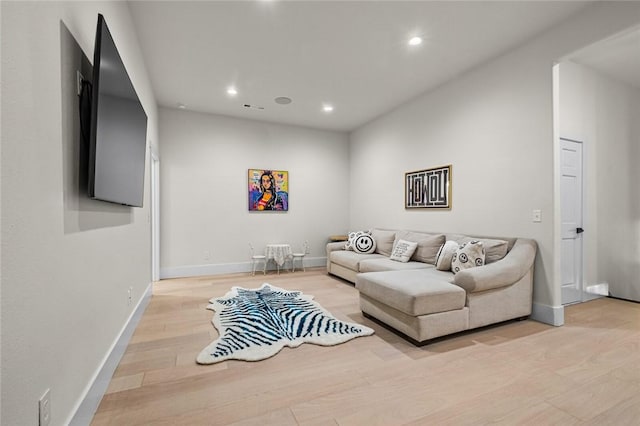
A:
403	250
384	241
433	273
386	264
468	255
494	249
350	259
445	254
428	244
412	292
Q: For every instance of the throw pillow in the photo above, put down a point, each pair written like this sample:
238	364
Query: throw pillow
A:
364	244
351	240
494	249
445	254
403	250
384	241
468	255
428	245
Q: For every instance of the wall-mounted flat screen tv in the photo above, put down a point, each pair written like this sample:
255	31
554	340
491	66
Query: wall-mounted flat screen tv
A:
118	136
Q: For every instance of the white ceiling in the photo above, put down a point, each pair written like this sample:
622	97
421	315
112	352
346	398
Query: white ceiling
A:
617	57
351	54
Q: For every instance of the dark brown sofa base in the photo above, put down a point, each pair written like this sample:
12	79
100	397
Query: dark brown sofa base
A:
441	338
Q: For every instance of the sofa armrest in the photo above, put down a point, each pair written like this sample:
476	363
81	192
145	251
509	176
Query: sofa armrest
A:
502	273
339	245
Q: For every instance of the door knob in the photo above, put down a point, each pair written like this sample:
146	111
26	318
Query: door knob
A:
579	230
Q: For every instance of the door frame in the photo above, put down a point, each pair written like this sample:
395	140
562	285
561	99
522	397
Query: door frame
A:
155	213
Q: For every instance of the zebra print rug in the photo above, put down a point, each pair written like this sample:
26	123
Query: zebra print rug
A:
255	324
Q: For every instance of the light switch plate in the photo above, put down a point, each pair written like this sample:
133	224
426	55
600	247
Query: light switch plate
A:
537	216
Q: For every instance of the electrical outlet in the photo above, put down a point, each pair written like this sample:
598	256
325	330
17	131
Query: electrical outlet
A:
207	255
44	407
130	299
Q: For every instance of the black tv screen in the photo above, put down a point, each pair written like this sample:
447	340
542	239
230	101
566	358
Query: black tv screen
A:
118	137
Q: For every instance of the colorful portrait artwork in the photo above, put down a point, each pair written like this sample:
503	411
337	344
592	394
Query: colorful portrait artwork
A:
268	190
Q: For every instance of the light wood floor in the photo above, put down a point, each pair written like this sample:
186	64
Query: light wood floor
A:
586	372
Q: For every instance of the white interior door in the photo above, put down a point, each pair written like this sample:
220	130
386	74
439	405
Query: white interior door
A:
571	222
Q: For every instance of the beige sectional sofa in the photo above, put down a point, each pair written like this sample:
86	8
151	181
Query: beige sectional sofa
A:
422	302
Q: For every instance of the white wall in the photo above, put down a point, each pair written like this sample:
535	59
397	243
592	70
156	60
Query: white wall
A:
494	125
602	113
204	164
68	261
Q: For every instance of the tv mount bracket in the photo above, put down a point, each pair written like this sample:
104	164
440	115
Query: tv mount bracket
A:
79	80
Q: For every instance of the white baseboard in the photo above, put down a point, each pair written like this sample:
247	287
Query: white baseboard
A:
227	268
552	315
88	405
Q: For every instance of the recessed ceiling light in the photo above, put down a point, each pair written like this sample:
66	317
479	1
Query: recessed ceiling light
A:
414	41
181	106
327	108
282	100
232	91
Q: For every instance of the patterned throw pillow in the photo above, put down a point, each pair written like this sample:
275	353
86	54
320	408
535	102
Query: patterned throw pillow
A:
403	250
352	237
364	244
351	240
494	249
445	254
428	245
468	255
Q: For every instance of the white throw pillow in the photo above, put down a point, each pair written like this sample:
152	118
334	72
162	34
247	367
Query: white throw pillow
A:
445	254
403	250
351	240
468	255
428	245
364	244
494	250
